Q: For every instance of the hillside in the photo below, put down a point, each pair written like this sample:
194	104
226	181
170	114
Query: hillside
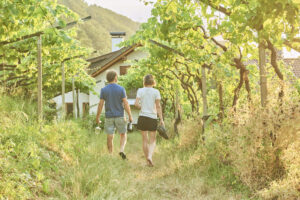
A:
95	32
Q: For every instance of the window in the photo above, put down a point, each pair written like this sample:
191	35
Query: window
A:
123	70
69	109
85	109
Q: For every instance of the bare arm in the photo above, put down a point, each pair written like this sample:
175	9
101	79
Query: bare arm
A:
159	111
100	107
137	103
127	108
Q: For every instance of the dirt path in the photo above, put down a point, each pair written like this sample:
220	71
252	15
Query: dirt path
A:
176	175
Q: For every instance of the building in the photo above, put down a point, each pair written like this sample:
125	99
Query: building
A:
83	102
118	60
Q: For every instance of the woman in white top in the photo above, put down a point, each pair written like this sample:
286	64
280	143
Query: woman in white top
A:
148	100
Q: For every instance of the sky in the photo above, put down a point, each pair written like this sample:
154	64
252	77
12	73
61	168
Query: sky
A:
134	9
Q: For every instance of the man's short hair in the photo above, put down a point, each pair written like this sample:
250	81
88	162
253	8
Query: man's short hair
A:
111	75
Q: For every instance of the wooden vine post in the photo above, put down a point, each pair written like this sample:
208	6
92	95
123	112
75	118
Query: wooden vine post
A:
204	92
263	75
74	98
77	103
204	100
63	89
40	77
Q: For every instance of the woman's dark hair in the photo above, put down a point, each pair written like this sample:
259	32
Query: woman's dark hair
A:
149	80
111	75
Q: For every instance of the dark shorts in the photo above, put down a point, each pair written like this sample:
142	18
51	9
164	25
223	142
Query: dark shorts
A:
147	124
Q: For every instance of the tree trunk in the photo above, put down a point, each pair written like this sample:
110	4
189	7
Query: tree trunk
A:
276	68
177	111
221	104
237	89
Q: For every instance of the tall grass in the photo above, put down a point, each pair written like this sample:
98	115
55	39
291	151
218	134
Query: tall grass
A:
31	159
255	149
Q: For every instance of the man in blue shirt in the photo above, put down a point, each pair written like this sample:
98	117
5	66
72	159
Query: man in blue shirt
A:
115	100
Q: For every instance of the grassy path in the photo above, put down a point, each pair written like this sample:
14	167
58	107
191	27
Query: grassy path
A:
176	175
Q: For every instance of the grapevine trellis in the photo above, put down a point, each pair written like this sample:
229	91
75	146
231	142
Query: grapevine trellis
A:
38	35
208	48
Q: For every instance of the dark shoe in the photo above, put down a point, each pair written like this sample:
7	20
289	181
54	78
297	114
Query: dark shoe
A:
162	132
122	155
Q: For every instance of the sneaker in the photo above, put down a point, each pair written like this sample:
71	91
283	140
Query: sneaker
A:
122	154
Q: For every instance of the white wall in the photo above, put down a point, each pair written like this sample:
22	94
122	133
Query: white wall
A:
101	79
83	98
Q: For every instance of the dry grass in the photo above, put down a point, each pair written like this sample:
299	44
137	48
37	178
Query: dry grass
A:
190	132
257	139
255	147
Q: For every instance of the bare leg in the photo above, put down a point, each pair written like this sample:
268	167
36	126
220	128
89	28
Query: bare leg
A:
110	145
152	144
145	143
123	140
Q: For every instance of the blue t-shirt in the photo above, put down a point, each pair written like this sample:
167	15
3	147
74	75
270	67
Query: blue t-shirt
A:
113	94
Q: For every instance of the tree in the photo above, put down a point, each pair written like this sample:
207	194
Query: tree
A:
183	37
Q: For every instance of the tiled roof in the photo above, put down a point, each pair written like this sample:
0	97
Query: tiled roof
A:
295	63
98	62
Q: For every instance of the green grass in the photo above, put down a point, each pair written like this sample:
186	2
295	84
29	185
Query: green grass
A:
176	175
33	159
66	160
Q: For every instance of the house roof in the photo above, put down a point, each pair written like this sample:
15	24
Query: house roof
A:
295	63
101	63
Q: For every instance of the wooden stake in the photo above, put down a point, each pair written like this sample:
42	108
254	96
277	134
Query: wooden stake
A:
74	98
4	78
40	78
63	88
77	103
204	92
263	75
204	100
